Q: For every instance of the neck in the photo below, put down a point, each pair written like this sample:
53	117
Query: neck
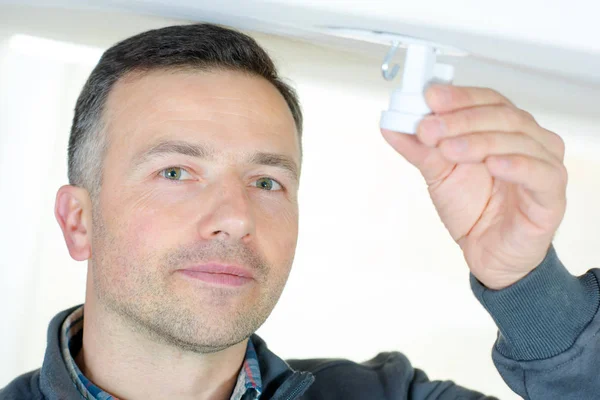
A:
129	365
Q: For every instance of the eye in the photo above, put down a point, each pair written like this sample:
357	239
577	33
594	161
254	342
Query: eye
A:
268	184
175	174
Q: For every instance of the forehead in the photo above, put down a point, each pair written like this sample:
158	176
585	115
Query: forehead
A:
226	108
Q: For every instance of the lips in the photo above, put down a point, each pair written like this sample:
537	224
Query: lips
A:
220	274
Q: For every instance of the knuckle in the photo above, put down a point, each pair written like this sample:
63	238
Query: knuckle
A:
535	145
559	145
491	92
497	97
527	116
487	93
563	174
514	116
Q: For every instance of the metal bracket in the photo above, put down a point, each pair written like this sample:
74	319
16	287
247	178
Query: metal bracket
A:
390	74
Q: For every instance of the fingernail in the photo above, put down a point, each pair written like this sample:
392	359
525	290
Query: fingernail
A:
441	93
433	128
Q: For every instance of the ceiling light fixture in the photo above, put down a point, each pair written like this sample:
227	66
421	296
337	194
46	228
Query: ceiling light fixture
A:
407	104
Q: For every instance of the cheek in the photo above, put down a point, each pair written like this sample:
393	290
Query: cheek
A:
148	233
277	230
138	228
154	217
131	257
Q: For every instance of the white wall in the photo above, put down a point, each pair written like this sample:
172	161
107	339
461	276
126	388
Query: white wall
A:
375	269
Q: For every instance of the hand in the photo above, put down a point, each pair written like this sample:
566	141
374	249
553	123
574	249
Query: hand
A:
496	178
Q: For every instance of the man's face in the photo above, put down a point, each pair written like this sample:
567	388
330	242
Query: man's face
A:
197	176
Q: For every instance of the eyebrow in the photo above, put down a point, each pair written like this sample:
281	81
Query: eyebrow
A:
201	151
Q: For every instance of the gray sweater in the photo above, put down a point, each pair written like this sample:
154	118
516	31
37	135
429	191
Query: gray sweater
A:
547	348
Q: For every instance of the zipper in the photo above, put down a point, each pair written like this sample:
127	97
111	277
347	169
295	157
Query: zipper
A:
297	384
299	389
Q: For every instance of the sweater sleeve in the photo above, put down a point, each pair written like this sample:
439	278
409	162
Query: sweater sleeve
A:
547	345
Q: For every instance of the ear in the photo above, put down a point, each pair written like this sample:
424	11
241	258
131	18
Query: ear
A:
73	211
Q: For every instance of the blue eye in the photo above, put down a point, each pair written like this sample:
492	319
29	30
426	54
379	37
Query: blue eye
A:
268	184
175	174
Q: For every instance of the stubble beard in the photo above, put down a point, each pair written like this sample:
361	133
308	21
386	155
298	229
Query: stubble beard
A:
148	308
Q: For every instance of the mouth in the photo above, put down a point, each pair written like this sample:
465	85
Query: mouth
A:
219	274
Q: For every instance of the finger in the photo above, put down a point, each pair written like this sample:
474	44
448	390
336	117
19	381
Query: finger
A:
408	146
445	98
430	162
546	181
476	147
499	118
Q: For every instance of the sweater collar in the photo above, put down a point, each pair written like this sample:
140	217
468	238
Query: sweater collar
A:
276	379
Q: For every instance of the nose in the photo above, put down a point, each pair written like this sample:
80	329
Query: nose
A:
230	214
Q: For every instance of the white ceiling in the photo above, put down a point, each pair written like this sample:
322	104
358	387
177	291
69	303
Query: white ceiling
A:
556	36
553	43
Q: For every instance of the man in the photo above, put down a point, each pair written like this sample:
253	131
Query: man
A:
184	164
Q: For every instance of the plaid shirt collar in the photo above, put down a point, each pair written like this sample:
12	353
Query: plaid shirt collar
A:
248	385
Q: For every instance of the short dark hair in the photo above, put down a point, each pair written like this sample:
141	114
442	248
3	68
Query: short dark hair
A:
198	47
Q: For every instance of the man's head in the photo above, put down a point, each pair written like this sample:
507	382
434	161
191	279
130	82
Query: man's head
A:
188	145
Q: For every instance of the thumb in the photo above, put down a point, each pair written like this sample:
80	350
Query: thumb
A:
428	160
